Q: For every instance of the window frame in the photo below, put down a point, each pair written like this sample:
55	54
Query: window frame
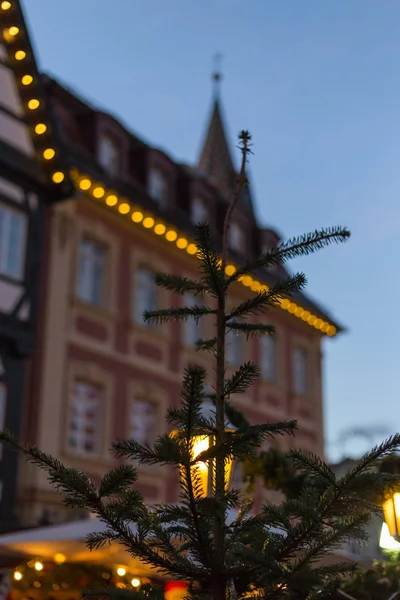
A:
80	450
300	388
11	211
89	283
153	425
157	183
138	318
112	169
272	376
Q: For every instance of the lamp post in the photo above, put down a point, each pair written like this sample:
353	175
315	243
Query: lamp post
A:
391	510
200	443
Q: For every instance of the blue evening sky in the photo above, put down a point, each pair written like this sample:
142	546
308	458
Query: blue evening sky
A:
317	83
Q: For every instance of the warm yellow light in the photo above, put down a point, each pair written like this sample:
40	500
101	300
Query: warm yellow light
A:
33	104
85	184
98	192
391	511
17	575
121	571
40	128
5	5
124	208
171	235
148	222
111	200
191	249
305	314
247	280
181	243
20	55
13	30
159	229
27	80
49	153
299	311
285	304
230	270
137	216
38	565
135	582
59	558
311	319
324	327
255	286
317	323
331	330
58	177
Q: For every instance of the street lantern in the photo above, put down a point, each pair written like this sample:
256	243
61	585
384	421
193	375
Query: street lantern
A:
391	510
205	470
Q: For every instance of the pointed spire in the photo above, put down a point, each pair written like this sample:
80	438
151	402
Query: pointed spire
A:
215	158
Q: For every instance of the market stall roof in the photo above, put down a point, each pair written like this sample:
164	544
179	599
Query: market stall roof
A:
69	539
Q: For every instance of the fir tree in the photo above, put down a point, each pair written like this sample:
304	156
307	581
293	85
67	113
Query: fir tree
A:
275	554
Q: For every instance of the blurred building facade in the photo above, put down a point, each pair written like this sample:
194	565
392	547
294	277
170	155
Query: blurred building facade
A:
99	372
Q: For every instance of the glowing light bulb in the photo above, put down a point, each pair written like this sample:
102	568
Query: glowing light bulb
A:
59	558
38	565
171	235
181	243
137	216
331	330
49	153
17	575
58	177
230	270
33	104
20	55
121	571
135	582
124	208
13	30
148	222
159	229
98	192
5	5
27	80
191	249
40	128
111	200
85	184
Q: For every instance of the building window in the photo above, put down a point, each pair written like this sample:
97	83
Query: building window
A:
300	364
143	422
157	187
236	482
109	155
268	357
193	331
145	294
199	212
236	239
12	242
91	272
3	410
84	423
234	348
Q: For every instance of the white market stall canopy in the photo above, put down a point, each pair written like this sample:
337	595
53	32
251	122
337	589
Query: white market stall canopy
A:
69	539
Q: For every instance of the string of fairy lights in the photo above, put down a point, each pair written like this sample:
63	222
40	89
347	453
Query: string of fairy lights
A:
41	131
60	575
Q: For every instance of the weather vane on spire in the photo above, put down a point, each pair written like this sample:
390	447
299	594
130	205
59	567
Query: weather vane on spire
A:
217	75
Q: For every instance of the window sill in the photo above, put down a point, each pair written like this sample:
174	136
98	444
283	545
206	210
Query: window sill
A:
93	309
87	457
